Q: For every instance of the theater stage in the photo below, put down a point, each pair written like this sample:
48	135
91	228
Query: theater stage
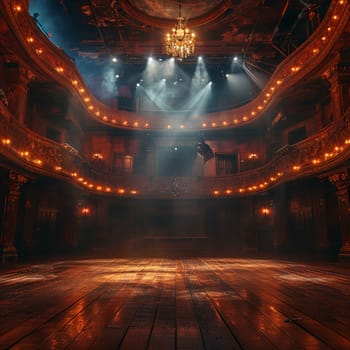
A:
168	304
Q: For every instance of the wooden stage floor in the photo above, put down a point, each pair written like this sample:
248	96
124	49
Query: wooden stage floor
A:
166	304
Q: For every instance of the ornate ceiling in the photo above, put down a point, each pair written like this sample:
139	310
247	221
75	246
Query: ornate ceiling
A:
263	30
262	33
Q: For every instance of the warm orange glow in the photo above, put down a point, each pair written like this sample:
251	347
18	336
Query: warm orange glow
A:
315	51
24	153
58	168
241	190
30	39
91	185
315	161
108	189
105	118
216	192
97	156
228	191
87	99
182	126
75	82
169	126
37	161
81	90
213	125
323	38
91	107
114	121
204	125
125	122
278	82
252	156
136	124
265	211
253	113
133	192
121	190
146	125
6	141
74	174
85	211
98	188
224	123
260	107
235	121
97	113
335	17
279	174
17	8
245	118
329	29
81	179
59	69
296	167
39	51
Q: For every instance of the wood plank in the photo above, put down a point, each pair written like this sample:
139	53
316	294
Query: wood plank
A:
175	304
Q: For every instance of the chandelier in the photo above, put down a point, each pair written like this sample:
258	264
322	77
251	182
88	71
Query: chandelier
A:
180	42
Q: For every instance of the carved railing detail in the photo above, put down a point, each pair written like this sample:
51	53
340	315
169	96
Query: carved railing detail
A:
56	64
30	151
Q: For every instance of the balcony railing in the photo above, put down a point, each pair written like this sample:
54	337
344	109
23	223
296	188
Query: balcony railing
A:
54	63
36	154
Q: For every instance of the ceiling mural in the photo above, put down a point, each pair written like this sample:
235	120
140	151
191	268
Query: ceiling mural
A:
170	9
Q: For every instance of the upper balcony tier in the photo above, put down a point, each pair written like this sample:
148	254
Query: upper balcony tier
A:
52	62
22	148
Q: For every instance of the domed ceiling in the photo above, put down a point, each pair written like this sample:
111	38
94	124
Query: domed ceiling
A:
261	33
170	9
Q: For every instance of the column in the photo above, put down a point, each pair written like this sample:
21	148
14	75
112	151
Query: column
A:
342	182
280	236
339	78
16	86
343	206
8	250
320	219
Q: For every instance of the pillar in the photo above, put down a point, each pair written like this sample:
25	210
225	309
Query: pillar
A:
342	182
8	250
339	78
16	86
280	236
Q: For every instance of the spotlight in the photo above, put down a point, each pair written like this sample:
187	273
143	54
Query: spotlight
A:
172	59
114	59
138	84
175	148
200	58
117	76
150	59
160	60
227	75
235	59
